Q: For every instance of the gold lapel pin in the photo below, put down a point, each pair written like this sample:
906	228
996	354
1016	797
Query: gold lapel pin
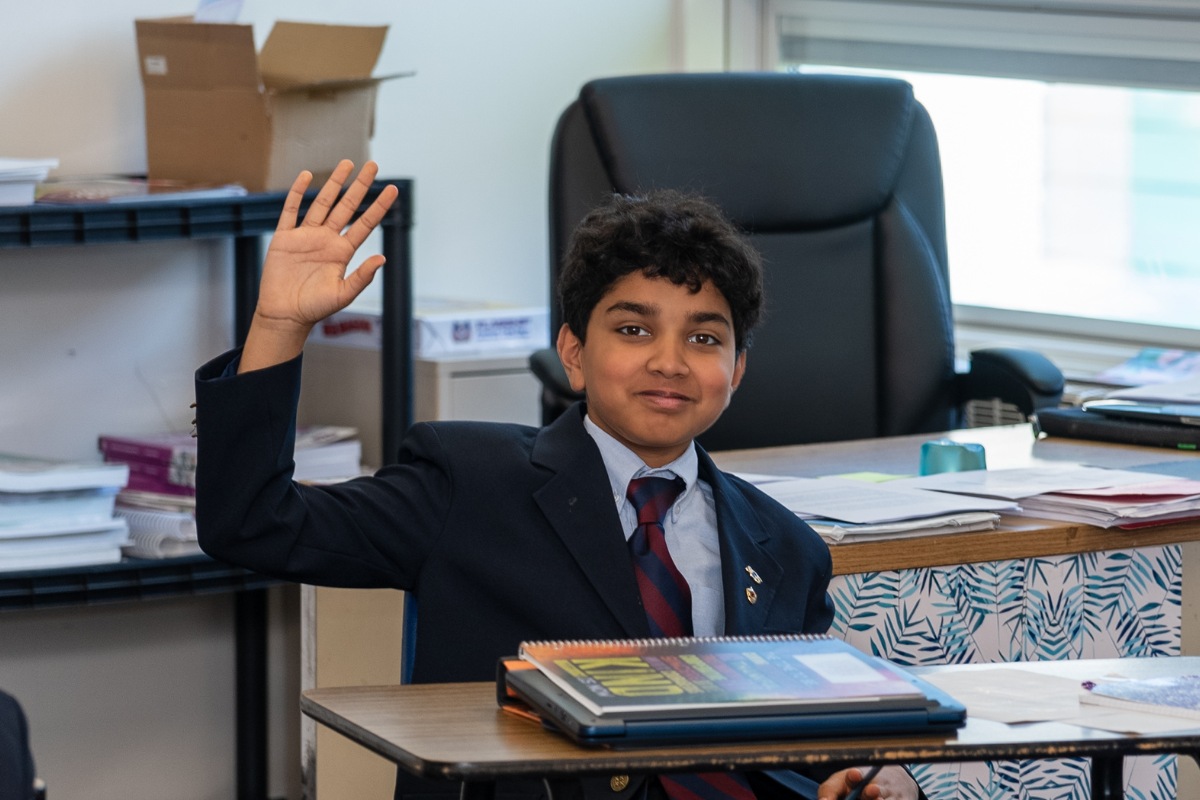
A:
751	595
753	575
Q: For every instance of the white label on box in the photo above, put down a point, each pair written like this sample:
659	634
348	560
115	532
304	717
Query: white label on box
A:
439	334
155	65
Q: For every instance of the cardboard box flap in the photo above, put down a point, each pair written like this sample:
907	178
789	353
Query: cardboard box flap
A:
299	53
338	85
178	53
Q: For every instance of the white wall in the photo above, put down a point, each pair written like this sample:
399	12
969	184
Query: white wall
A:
104	339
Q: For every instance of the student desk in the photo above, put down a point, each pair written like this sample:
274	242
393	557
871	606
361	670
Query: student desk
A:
456	732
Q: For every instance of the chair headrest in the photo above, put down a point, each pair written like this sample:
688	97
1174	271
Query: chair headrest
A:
775	151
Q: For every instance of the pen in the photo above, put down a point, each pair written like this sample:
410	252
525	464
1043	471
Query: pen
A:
870	776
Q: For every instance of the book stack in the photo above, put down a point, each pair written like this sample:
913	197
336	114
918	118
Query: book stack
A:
59	514
665	691
159	502
19	178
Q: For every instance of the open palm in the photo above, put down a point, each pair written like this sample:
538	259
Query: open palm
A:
305	272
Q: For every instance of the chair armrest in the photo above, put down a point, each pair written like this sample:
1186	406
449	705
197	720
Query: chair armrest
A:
1024	378
557	394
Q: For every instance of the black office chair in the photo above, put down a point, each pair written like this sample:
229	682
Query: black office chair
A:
17	777
837	181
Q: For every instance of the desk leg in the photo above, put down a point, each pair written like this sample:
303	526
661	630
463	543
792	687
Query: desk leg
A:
250	611
1108	778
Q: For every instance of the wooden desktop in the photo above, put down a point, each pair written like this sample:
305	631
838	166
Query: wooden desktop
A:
456	732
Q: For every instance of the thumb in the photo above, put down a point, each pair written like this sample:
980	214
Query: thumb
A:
361	278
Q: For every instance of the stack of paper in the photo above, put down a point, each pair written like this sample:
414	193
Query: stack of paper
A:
1092	495
844	509
159	503
19	178
57	514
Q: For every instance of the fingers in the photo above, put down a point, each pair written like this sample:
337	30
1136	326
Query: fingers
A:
357	233
341	214
318	212
291	204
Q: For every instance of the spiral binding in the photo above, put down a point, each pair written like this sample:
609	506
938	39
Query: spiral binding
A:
677	640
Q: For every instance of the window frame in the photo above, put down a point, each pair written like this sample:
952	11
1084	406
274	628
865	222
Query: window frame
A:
1145	42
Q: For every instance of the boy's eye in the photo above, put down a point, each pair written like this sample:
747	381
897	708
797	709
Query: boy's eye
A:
704	338
633	330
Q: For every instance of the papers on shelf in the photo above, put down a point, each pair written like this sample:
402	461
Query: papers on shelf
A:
159	533
58	514
19	178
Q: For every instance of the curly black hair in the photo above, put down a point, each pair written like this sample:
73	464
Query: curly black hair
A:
664	233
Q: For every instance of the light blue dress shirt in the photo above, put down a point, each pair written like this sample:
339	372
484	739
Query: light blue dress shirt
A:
690	525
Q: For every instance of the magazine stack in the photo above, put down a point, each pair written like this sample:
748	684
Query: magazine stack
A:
59	514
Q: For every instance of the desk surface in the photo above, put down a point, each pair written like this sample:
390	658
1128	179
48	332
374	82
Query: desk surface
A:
456	732
1006	446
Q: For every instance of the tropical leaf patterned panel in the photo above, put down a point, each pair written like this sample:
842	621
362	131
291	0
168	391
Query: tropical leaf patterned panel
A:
1088	605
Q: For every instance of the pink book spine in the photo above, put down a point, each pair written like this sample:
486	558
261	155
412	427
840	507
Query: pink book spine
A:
141	482
117	448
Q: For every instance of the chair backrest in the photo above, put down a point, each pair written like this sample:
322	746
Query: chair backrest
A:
837	181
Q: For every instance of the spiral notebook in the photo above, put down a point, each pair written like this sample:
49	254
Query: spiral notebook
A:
661	691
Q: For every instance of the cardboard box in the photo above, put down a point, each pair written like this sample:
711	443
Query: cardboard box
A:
218	112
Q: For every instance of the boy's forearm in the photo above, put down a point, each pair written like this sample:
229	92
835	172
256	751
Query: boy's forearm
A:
271	342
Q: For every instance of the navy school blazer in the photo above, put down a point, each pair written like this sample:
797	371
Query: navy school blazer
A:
503	532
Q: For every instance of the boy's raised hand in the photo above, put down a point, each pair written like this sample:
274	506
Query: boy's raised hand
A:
304	275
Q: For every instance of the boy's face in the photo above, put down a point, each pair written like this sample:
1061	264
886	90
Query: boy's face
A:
659	366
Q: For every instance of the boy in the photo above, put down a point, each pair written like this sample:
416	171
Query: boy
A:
505	532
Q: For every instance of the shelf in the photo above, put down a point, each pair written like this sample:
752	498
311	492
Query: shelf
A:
130	579
243	221
156	220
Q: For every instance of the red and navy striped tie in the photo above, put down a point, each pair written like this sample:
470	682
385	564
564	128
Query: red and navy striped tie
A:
668	603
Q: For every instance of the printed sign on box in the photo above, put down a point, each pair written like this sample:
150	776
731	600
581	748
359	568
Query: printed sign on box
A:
442	328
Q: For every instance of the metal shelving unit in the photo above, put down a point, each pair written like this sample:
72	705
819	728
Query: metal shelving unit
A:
243	220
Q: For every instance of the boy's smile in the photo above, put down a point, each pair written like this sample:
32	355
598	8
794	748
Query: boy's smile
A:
659	365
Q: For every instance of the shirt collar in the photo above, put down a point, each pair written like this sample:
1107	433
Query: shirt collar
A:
623	465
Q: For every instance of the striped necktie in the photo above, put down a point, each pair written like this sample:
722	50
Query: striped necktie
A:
668	603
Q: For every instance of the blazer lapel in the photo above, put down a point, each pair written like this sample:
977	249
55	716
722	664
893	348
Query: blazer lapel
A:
751	575
579	508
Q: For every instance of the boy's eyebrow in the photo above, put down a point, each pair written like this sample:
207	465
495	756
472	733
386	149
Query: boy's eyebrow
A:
641	309
699	317
652	310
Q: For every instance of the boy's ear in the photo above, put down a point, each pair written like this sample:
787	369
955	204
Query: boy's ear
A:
570	353
739	370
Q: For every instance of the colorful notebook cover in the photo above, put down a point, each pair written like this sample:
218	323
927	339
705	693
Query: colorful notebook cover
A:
695	677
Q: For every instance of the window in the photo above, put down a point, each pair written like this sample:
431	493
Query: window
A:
1070	138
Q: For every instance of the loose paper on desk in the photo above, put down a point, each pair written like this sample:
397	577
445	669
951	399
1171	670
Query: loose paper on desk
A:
1022	482
1005	694
1184	391
860	502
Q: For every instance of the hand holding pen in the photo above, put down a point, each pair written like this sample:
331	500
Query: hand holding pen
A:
857	791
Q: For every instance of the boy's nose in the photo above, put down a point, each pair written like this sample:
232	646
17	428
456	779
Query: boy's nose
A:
668	358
